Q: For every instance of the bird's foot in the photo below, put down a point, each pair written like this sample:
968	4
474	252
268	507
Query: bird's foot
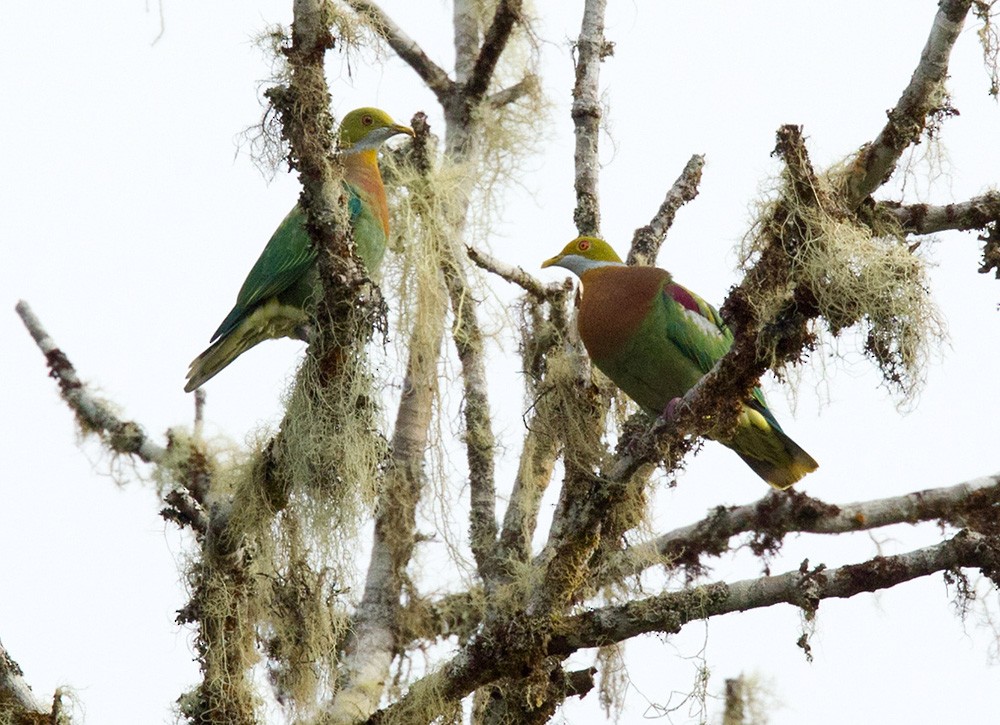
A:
670	411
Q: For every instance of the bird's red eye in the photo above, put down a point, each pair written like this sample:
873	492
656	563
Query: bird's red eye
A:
367	120
583	246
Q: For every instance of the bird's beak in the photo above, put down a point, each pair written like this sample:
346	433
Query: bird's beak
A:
552	261
399	128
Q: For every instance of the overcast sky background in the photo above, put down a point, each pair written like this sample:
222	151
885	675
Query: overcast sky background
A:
129	218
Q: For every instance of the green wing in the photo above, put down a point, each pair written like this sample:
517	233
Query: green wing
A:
700	334
286	258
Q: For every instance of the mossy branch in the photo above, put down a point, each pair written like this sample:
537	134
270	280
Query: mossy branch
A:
876	161
542	336
375	634
771	518
479	442
804	588
976	213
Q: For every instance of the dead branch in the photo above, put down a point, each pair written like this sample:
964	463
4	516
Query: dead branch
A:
876	161
647	240
17	701
516	275
406	48
479	441
777	514
507	13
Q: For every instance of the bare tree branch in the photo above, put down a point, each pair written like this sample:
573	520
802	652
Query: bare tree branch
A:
876	161
495	40
647	240
591	48
804	588
976	213
122	436
541	334
406	48
16	698
510	94
516	275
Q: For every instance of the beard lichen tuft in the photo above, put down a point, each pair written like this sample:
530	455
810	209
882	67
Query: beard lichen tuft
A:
857	270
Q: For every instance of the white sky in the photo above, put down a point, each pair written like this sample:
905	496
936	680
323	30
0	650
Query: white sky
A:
128	220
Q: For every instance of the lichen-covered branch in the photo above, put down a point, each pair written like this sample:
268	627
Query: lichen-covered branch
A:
542	334
375	635
647	239
591	49
805	588
479	663
964	505
93	414
17	701
976	213
405	47
479	441
923	96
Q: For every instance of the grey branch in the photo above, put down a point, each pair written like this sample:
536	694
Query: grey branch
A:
647	240
406	48
16	697
804	588
507	13
777	514
976	213
479	441
510	94
876	161
122	436
516	275
591	48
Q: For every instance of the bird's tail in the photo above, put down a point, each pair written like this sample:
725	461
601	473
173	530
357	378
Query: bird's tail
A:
768	450
794	464
222	352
